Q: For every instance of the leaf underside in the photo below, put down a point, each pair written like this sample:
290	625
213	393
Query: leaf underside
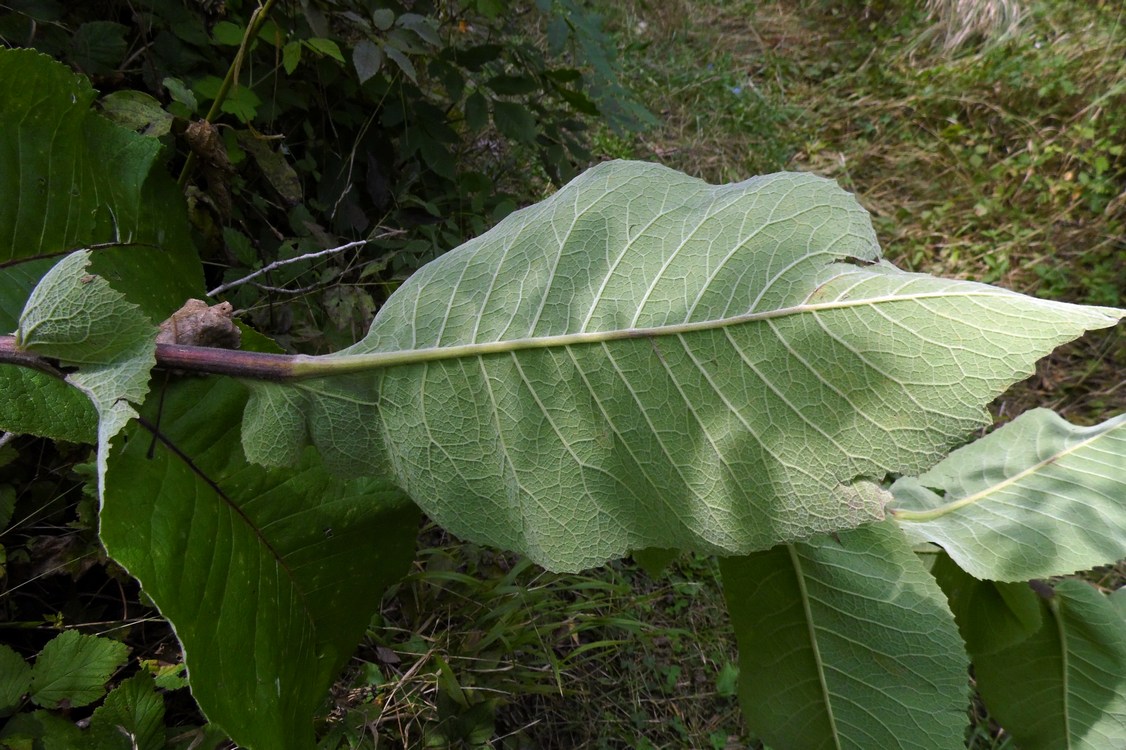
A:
650	361
1037	497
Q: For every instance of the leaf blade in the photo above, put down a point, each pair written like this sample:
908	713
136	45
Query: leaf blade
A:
279	566
1038	497
846	645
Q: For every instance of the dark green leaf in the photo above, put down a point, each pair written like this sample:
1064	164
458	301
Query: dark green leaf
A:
514	121
72	669
132	716
283	568
98	47
475	58
15	679
476	112
1065	685
510	85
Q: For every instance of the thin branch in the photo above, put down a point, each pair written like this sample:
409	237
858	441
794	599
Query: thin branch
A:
307	256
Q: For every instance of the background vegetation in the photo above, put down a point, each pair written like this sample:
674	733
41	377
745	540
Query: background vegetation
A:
417	125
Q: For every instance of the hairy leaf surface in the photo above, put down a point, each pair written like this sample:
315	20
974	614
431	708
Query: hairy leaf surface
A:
1037	497
1065	685
846	644
645	360
76	318
268	576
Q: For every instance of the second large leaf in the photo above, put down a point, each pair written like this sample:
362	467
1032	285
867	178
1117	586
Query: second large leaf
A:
646	360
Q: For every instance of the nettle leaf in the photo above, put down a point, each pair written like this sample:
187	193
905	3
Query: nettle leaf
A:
76	318
1037	497
269	577
1065	685
646	360
131	717
72	669
846	644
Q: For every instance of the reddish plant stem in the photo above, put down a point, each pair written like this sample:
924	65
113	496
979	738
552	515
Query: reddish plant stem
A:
198	359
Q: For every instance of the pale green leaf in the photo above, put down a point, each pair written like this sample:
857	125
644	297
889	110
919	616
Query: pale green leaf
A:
15	680
76	318
1037	497
269	577
846	644
1065	685
132	716
73	668
646	360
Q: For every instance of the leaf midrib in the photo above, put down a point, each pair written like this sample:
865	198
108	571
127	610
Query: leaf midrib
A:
312	367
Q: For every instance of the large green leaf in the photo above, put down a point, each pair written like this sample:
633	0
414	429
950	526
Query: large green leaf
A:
73	179
846	644
1065	685
1038	497
268	576
645	360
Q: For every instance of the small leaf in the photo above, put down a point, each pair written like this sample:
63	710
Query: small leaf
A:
241	102
98	47
383	18
422	26
846	643
15	679
513	85
515	121
181	93
137	111
227	33
133	711
72	669
402	61
78	319
368	59
37	404
326	47
476	112
291	56
1020	502
1065	685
